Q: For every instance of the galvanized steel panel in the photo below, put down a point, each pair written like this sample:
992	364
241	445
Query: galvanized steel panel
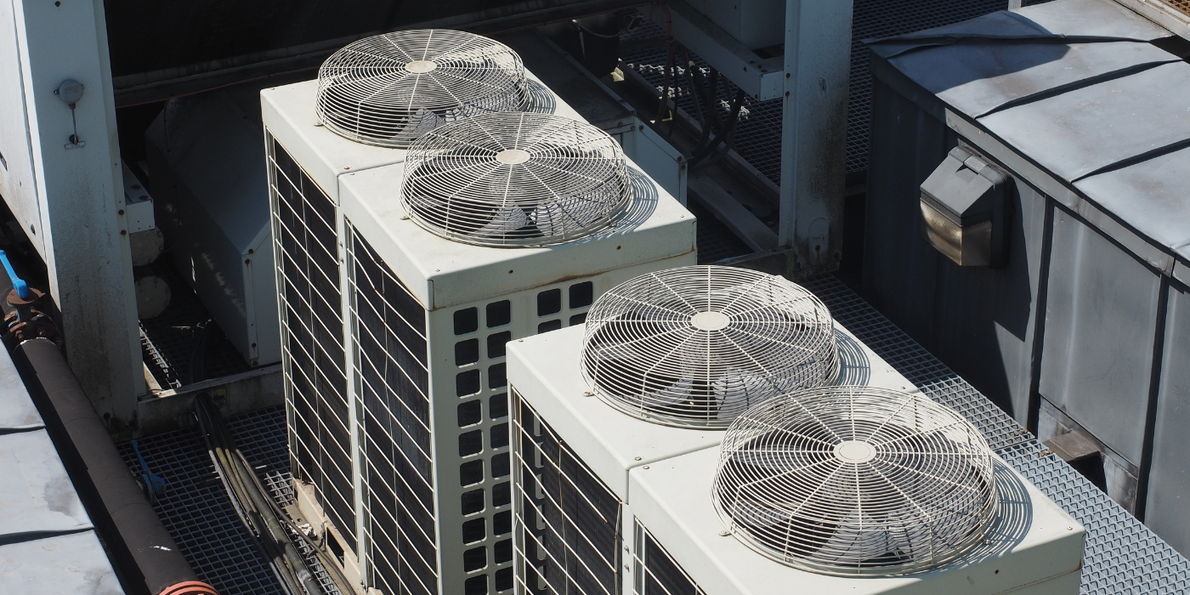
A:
1099	18
975	78
1151	195
58	565
36	494
1169	479
1100	322
1078	132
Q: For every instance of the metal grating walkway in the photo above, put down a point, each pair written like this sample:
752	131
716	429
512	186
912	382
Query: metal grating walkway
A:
1122	556
199	515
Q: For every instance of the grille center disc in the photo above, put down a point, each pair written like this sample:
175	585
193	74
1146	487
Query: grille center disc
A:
709	321
854	451
512	156
420	66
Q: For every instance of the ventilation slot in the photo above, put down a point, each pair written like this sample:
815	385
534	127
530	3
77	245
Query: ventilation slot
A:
657	573
393	389
312	337
568	521
696	346
389	89
856	480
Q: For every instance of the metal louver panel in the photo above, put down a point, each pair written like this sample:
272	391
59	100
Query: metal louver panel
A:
393	384
657	573
305	240
568	522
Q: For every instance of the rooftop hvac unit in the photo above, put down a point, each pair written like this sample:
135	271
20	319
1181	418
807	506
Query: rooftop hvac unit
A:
664	363
403	273
847	489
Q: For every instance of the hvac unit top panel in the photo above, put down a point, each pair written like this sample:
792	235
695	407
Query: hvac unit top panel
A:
441	272
611	442
388	90
1031	541
851	481
290	115
515	179
697	346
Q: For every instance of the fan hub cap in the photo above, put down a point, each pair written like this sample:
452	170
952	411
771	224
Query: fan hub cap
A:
421	66
710	321
854	451
512	156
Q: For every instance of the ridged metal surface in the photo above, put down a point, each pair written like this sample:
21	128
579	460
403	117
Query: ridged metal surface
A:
389	89
1122	556
855	480
697	345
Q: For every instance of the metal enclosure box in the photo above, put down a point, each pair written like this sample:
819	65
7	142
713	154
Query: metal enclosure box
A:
554	412
1033	547
210	186
1078	330
393	346
755	23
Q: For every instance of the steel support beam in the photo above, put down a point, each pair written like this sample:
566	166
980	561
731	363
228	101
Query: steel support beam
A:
814	131
74	211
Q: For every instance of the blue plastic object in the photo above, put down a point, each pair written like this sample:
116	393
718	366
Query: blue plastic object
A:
154	482
17	282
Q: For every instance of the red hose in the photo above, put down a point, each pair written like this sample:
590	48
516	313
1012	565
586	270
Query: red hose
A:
190	588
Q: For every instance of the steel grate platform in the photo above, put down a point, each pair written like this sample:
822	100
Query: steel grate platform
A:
199	515
1122	555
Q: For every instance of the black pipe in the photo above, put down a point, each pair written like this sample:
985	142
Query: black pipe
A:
150	560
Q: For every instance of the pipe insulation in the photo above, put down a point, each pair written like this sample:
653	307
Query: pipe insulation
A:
136	539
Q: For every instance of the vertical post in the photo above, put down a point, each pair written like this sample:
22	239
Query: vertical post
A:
814	131
81	230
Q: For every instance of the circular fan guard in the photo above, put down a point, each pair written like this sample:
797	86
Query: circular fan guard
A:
389	89
515	179
696	346
856	480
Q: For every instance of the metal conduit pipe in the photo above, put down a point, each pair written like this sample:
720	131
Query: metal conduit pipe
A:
129	526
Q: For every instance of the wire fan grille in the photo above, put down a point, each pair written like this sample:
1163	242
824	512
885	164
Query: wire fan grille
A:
515	179
696	346
389	89
856	480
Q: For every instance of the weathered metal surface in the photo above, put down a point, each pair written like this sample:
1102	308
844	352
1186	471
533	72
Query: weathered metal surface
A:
55	565
36	495
1152	194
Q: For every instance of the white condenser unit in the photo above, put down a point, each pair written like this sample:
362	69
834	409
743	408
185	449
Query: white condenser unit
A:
662	366
847	490
432	202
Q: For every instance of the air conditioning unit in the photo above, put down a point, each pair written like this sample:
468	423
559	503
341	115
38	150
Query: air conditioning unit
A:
663	365
415	237
847	490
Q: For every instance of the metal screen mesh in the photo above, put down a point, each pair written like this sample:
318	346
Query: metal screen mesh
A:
657	573
568	521
393	385
305	237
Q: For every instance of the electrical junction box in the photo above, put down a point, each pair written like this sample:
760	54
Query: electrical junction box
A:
962	210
